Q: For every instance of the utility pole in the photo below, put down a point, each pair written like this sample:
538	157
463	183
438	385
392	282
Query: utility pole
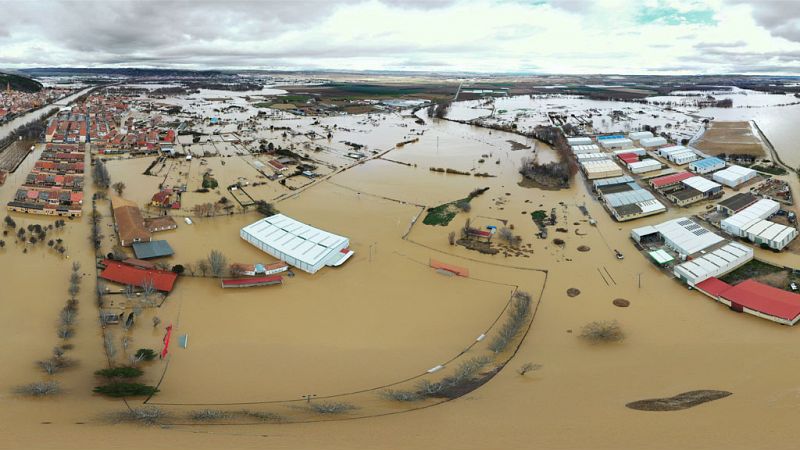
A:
308	397
640	279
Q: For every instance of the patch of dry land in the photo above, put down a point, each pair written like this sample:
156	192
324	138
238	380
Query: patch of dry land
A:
392	353
732	138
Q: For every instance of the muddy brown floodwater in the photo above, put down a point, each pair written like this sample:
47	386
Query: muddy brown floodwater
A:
385	316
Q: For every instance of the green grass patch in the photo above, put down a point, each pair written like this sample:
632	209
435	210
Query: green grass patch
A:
772	170
293	98
752	269
443	214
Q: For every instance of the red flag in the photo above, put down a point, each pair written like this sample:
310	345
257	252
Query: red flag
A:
166	341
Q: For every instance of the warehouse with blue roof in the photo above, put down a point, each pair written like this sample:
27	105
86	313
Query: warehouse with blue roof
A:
707	165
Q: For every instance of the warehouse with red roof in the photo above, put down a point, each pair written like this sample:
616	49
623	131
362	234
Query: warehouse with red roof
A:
755	298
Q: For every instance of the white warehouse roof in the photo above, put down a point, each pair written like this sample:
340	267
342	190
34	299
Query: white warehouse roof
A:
585	148
652	141
686	236
714	264
744	219
296	243
701	184
638	135
583	140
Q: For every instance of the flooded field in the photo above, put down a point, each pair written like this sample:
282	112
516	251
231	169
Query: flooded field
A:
385	315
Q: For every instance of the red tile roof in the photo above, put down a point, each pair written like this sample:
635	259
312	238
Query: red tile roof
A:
124	274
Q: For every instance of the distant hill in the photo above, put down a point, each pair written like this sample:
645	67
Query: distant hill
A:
19	83
117	71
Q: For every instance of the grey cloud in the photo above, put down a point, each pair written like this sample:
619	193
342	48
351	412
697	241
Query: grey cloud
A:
780	17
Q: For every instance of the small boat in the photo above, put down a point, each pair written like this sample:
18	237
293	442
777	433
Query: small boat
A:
187	220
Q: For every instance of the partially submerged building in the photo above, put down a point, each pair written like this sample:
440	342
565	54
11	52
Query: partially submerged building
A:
604	168
651	142
684	236
300	245
678	154
716	263
754	298
751	223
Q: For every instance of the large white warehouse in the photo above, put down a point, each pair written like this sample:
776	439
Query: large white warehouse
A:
683	235
603	168
734	176
738	223
639	135
588	148
616	143
653	142
717	263
582	140
300	245
752	223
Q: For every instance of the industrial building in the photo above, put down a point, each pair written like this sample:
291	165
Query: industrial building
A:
682	235
755	298
739	222
630	201
582	140
693	189
614	142
678	154
582	157
600	185
300	245
706	165
668	181
734	176
713	264
604	168
653	142
644	166
636	151
639	135
588	148
736	203
751	223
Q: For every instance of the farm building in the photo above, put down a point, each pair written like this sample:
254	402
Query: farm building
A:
589	148
583	140
126	274
713	264
129	222
296	243
734	175
152	249
755	298
601	169
736	203
644	166
682	235
706	165
744	219
639	135
653	142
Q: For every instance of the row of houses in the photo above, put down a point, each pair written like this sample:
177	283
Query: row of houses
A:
54	185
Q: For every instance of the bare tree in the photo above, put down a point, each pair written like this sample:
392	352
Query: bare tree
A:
203	267
217	263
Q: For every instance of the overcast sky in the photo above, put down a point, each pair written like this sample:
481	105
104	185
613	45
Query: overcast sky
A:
547	36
